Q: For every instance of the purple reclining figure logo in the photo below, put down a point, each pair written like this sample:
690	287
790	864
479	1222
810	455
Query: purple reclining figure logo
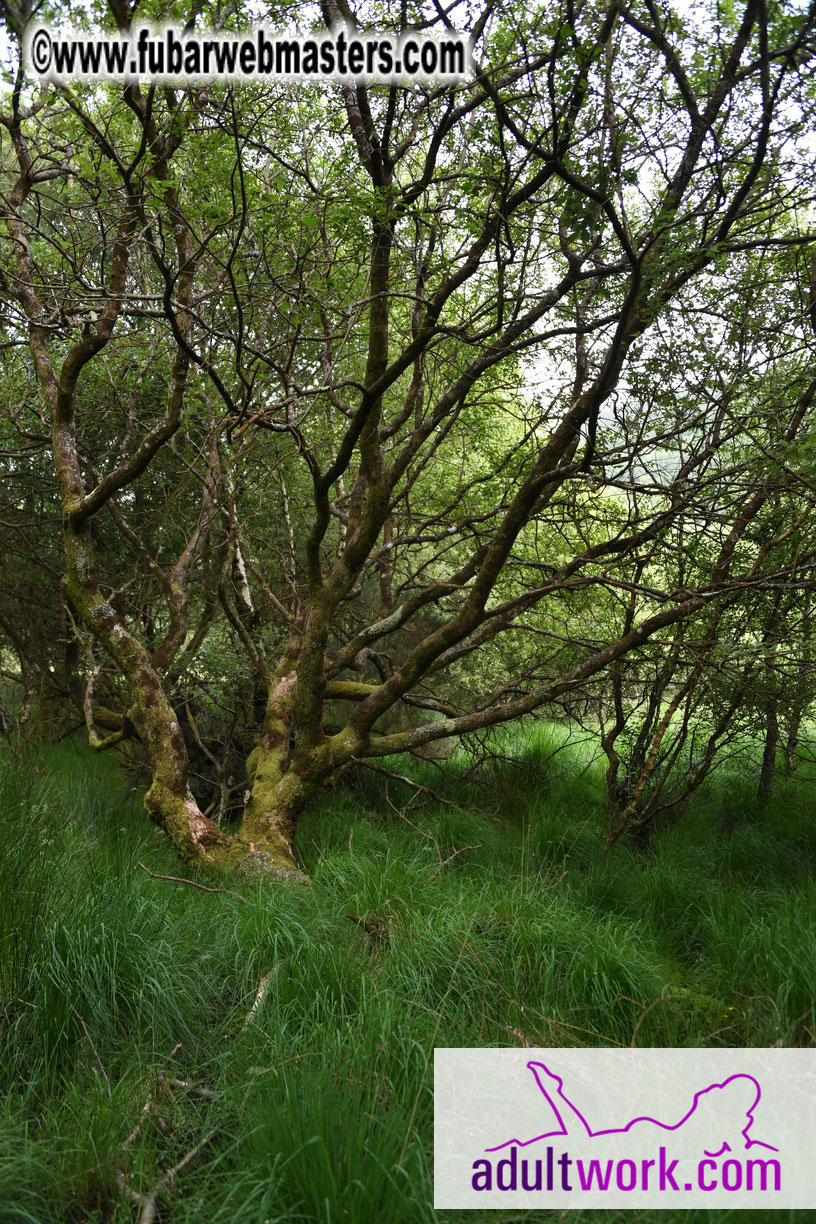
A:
741	1095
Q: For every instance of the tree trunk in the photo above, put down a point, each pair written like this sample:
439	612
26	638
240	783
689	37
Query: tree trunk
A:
792	742
766	775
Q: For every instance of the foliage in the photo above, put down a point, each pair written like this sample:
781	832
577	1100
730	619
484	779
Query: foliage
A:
374	418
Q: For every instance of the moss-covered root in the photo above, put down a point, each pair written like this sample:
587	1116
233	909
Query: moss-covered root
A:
204	846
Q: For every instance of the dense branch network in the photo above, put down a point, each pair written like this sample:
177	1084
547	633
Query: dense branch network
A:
476	404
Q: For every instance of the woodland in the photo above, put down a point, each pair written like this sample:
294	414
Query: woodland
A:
408	576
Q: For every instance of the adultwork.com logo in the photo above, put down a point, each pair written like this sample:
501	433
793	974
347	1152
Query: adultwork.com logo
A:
718	1122
624	1128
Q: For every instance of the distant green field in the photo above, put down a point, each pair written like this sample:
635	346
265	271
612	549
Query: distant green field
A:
304	1021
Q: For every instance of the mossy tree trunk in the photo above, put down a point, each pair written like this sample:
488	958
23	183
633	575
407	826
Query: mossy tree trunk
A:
168	799
407	359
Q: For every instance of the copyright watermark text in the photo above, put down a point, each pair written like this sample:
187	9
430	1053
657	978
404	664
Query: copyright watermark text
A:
169	54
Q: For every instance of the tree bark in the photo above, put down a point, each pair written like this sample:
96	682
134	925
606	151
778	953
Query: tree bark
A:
768	770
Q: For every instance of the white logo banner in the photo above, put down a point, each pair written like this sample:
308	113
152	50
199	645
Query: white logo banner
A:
625	1128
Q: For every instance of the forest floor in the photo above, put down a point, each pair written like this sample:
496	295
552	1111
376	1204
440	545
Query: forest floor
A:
268	1056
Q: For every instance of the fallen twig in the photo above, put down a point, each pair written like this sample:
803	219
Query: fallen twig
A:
402	813
192	883
148	1105
149	1202
259	998
134	1134
661	998
398	777
376	929
451	857
197	1089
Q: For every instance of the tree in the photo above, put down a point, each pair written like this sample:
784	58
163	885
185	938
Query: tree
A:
341	293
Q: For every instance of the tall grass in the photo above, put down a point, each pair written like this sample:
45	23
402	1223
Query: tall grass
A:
304	1022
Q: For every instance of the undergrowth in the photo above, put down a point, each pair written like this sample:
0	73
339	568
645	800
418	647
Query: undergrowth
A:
303	1020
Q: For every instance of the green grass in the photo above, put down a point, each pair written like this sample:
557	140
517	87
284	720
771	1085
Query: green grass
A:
494	918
